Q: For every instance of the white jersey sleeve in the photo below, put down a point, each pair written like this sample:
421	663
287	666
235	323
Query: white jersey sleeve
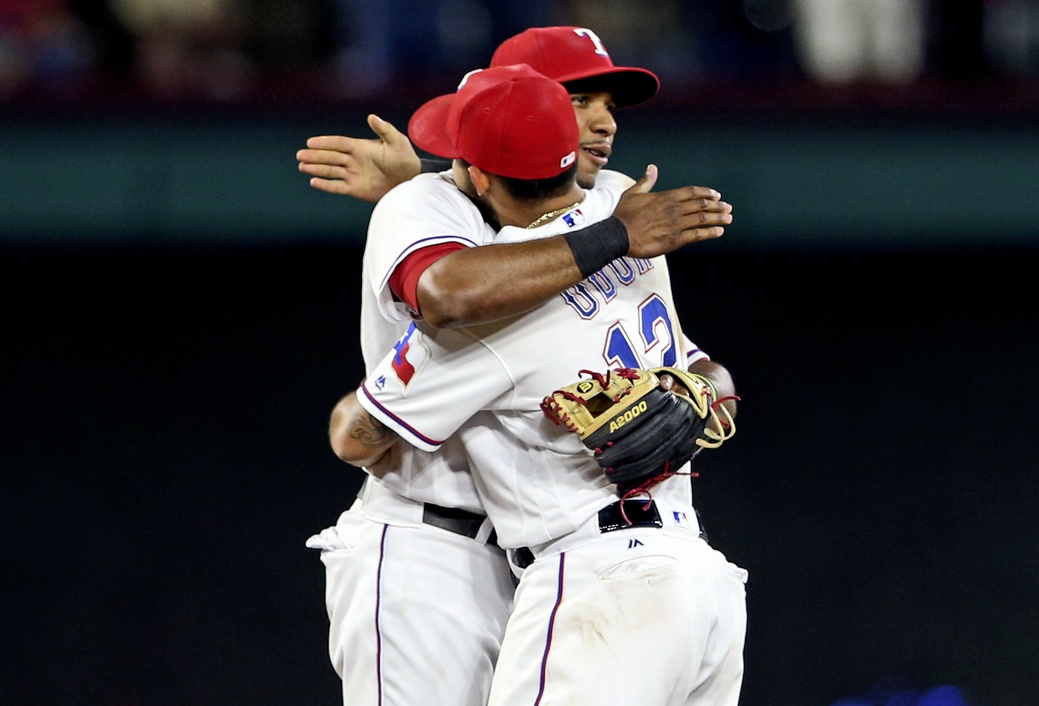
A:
426	210
431	383
693	353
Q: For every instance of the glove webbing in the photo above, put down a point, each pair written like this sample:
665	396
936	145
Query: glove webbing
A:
604	381
558	415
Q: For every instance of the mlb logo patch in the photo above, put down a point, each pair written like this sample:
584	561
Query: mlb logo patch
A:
680	518
573	218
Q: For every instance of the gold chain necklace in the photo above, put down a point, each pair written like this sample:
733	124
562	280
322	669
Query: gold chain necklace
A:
553	214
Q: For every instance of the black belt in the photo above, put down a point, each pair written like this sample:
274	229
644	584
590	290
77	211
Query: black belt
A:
451	519
456	520
637	513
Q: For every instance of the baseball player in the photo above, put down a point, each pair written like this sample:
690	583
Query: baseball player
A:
609	610
655	222
419	527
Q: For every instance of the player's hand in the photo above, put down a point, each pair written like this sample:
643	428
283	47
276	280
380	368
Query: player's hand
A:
362	168
669	384
661	222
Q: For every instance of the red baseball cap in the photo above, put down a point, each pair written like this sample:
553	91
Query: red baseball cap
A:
507	120
570	54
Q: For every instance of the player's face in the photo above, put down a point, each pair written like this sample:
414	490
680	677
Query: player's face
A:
594	112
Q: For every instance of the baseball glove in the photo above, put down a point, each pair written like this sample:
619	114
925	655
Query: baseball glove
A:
639	432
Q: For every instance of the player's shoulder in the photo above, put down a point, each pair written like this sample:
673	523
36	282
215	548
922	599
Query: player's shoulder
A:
613	180
427	195
433	184
600	200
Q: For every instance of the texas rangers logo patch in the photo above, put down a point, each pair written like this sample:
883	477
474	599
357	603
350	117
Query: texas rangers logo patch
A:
409	353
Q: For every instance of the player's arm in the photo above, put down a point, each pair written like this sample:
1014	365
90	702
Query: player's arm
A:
356	436
720	377
477	285
362	168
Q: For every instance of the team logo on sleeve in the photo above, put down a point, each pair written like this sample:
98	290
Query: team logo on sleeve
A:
408	355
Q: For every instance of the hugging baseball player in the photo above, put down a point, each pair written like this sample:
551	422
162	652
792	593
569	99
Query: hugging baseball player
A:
417	590
608	587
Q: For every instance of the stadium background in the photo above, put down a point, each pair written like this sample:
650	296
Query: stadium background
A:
180	315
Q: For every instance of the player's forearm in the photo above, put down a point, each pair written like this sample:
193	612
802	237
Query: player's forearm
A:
722	381
483	284
493	282
355	436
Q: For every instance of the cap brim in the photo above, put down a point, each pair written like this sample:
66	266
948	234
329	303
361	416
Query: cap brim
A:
427	128
627	85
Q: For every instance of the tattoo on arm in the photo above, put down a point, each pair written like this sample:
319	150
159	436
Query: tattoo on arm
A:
371	433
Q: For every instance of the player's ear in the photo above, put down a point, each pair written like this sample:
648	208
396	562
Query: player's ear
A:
481	181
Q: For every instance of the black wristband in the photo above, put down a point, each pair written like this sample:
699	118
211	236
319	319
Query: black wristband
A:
598	245
435	164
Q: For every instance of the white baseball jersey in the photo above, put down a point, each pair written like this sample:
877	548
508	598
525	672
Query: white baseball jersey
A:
537	481
430	210
424	211
596	606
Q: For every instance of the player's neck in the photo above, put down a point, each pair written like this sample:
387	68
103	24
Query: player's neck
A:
531	214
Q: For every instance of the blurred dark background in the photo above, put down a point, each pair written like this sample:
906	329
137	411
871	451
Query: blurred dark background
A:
180	314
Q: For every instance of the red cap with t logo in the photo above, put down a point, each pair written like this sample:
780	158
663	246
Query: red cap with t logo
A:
507	120
576	56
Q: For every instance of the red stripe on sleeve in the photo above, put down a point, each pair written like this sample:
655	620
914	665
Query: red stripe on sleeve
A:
404	280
